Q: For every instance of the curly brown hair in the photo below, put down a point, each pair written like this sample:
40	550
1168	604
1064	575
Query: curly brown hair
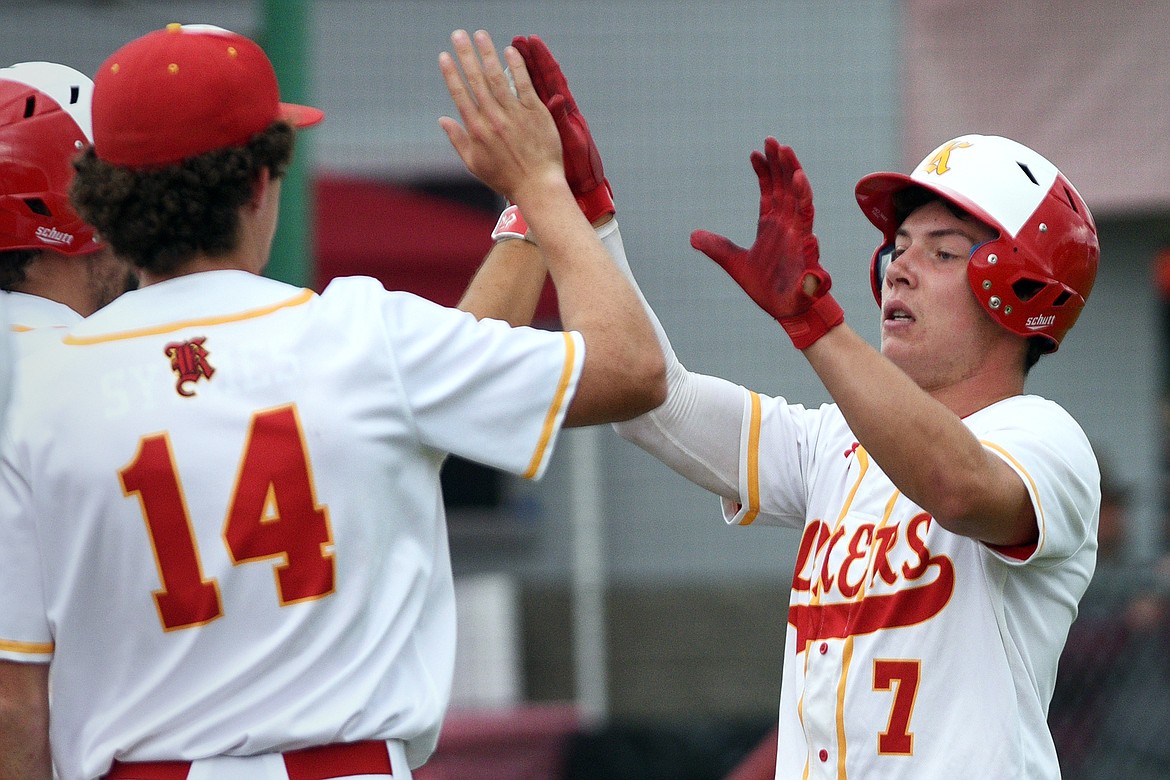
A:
161	218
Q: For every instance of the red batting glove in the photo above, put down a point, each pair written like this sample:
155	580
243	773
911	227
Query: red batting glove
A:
782	270
582	160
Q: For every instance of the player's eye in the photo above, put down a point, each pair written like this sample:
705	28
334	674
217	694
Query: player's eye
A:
886	255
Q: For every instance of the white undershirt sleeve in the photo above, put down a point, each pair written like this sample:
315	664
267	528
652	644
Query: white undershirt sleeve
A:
697	430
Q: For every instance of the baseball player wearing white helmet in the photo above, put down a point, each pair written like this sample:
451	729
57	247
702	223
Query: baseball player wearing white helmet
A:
948	519
53	268
220	512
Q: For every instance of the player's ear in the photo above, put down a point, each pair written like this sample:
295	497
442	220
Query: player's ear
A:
260	186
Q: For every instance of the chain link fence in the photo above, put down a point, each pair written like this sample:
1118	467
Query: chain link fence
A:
1110	715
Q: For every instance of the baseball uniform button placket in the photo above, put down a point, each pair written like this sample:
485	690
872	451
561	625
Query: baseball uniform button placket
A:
820	714
382	758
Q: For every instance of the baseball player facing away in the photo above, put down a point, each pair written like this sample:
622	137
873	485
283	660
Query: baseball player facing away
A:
948	519
223	531
53	268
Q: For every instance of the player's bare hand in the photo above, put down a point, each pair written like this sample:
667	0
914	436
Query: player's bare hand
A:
507	140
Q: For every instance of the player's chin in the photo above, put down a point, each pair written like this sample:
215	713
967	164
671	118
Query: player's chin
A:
896	346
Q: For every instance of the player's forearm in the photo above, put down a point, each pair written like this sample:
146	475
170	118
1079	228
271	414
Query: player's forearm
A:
24	722
611	238
921	445
696	431
508	284
624	372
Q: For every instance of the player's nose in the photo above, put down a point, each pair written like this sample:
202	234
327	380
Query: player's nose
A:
900	268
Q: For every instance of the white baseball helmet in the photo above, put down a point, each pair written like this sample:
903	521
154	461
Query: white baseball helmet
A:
1034	277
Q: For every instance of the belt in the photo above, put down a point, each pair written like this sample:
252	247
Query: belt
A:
315	763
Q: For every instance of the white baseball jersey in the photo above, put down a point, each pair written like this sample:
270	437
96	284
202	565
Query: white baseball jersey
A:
221	517
912	652
25	321
29	312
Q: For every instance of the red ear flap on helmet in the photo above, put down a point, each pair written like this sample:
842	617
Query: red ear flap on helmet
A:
1036	283
44	123
1033	279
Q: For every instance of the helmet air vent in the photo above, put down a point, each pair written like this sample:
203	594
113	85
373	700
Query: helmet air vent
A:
38	206
74	94
1028	173
1026	289
30	106
1072	202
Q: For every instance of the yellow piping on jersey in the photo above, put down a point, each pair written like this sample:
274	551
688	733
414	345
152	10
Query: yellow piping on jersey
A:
31	648
198	322
846	664
753	462
16	327
863	464
889	511
554	408
1031	483
800	709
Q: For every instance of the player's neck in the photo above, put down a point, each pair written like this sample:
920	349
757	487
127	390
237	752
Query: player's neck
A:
966	381
232	262
979	390
58	278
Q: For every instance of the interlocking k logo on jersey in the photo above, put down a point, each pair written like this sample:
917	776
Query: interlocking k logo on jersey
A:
940	163
189	362
866	578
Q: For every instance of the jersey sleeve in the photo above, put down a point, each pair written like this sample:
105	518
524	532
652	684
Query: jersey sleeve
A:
482	389
776	459
696	431
1046	447
24	630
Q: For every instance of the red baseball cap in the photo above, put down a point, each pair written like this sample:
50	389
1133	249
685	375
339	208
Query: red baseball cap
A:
183	91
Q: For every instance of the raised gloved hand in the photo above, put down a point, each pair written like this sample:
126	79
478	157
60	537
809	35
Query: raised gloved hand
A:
781	271
582	160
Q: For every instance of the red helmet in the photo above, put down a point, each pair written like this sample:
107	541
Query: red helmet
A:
1034	277
44	122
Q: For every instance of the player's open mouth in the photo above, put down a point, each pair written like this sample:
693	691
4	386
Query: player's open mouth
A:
895	312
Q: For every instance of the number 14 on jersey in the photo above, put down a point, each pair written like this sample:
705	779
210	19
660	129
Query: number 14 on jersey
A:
273	514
